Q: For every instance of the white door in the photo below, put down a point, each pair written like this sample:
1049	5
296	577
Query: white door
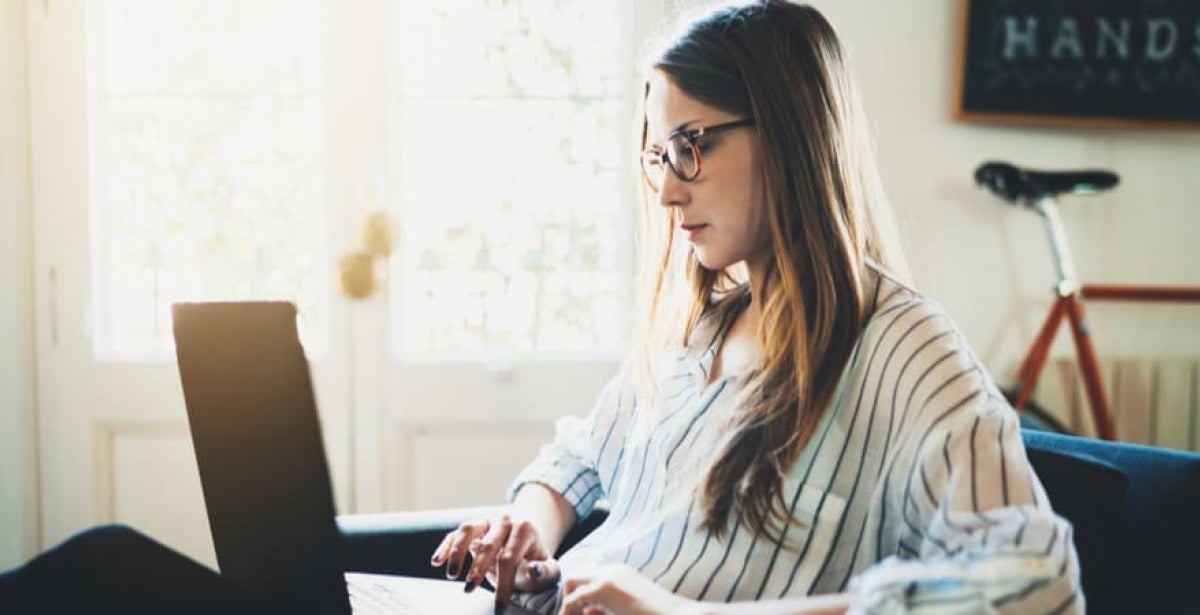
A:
236	148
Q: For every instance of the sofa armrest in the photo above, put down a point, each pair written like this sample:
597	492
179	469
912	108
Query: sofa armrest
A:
401	542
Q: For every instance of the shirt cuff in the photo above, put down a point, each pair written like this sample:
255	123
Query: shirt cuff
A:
944	586
577	483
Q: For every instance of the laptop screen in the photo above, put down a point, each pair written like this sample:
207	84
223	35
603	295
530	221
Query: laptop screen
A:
258	447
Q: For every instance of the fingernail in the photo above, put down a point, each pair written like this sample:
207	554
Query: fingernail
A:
452	570
470	587
434	560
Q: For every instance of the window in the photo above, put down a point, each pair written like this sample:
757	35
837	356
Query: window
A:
511	169
206	126
512	177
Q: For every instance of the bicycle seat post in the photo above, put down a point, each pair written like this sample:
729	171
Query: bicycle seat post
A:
1068	281
1036	190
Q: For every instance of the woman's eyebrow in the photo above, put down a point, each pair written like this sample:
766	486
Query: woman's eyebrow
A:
684	125
675	130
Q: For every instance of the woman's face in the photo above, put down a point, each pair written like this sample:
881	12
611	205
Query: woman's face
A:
721	212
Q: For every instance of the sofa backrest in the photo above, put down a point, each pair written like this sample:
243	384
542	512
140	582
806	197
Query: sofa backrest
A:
1139	543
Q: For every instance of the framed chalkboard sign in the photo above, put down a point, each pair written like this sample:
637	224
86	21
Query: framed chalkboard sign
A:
1080	62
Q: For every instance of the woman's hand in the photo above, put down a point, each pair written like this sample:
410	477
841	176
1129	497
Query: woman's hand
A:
506	551
619	590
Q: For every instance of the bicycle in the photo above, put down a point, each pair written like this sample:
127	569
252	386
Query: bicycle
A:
1038	191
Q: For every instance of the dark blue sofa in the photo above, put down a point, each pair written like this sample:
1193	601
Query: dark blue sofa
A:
1135	511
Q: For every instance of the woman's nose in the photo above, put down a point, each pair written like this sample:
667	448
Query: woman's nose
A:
673	191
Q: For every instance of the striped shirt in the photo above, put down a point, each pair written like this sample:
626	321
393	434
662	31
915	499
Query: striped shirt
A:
914	490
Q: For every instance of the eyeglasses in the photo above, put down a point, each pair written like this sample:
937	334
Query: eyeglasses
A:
681	152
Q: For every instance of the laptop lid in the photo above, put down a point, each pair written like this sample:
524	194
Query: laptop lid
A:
257	438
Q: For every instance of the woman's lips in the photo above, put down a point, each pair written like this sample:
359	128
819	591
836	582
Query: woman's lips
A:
693	229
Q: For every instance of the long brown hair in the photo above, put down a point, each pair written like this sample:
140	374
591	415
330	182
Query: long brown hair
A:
780	63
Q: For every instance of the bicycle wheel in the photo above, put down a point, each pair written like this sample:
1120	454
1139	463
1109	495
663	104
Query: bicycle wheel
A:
1037	418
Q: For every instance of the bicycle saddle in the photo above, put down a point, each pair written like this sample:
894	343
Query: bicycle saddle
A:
1015	184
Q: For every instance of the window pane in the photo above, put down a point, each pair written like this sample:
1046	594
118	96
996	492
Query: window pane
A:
210	46
510	227
511	177
207	129
531	48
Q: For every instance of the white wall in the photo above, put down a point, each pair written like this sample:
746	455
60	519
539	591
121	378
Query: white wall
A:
987	263
17	511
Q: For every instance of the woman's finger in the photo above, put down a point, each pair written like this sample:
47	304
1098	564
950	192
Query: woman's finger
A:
618	590
572	582
439	554
455	553
523	545
484	550
583	595
456	543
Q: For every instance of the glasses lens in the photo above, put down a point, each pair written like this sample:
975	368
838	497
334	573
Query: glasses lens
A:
683	157
652	168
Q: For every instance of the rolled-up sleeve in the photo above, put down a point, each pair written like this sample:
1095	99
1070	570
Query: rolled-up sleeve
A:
989	541
571	463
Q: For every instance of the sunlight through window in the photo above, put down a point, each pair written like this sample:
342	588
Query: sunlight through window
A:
509	139
207	156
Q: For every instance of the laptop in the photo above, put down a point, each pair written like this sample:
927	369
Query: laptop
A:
263	470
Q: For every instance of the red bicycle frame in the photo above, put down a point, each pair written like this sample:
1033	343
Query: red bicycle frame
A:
1069	305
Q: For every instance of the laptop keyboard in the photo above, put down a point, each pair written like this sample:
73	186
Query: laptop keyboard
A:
376	594
373	597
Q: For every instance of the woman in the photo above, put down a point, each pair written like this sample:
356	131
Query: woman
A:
794	421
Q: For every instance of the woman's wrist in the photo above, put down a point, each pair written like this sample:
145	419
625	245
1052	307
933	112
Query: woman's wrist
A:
547	510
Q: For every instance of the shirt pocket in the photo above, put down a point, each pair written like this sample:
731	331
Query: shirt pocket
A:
811	503
819	513
816	513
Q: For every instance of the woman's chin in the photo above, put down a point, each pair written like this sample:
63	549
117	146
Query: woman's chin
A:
710	261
